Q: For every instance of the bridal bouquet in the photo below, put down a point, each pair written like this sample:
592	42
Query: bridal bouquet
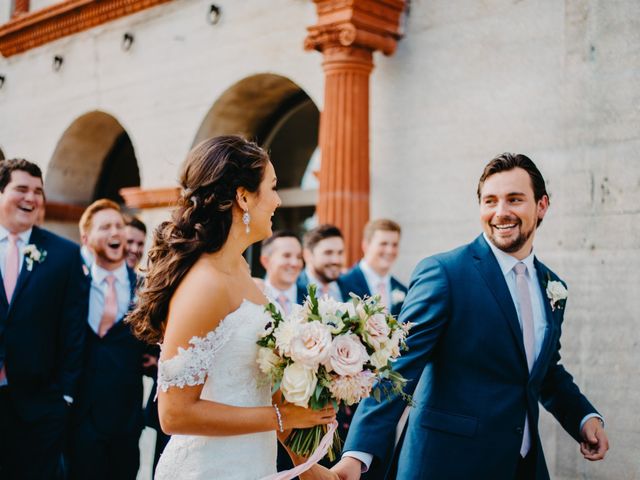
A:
328	352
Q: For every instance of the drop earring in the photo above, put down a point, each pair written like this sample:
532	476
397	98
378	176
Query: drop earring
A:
246	218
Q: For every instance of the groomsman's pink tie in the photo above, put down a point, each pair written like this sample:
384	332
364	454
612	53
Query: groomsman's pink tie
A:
284	303
382	291
526	317
11	266
110	306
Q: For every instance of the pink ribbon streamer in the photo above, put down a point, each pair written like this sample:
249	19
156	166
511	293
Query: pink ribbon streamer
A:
321	451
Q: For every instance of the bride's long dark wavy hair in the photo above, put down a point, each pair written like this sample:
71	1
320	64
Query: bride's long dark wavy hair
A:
210	177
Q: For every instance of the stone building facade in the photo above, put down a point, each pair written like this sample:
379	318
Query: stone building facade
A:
465	80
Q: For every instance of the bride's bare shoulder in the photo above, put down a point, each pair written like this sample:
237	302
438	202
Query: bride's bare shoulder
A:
199	304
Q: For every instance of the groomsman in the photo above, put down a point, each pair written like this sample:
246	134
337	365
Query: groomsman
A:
43	304
485	346
135	232
281	257
371	275
108	417
323	253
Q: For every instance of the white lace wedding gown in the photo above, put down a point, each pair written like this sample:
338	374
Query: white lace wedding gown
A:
225	361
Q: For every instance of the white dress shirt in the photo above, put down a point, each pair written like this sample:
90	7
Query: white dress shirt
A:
98	291
23	241
373	280
273	293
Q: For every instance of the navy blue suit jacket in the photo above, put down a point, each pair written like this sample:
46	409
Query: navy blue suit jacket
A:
474	388
42	331
354	281
111	389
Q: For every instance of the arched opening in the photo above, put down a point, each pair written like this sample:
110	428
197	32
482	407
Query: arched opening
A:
281	117
93	159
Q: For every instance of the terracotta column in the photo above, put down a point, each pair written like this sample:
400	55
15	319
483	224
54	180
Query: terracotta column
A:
20	7
347	33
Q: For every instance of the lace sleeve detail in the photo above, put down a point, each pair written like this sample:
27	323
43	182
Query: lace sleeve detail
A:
191	366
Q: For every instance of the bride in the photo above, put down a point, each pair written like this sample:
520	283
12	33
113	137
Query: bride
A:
200	302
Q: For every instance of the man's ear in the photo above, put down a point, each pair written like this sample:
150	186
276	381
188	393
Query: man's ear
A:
364	245
307	256
543	206
84	238
264	261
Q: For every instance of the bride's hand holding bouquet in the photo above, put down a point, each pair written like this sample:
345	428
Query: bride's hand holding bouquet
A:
326	353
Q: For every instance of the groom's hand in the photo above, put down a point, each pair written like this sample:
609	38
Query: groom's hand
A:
595	444
348	468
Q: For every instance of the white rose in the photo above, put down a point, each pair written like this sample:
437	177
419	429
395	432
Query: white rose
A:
380	358
397	296
267	360
376	331
284	334
311	344
556	292
347	356
298	384
329	306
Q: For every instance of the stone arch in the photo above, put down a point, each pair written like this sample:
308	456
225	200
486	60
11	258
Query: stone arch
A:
280	116
93	159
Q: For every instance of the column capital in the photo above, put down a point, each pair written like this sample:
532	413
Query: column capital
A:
366	24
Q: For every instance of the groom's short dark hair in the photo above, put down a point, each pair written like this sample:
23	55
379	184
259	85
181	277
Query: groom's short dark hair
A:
508	161
7	167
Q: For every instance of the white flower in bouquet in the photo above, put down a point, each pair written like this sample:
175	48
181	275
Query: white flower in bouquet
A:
347	356
376	331
311	344
298	384
328	306
285	332
267	360
556	292
394	344
352	389
361	312
380	358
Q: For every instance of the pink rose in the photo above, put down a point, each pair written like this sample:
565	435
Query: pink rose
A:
352	389
311	344
376	331
347	355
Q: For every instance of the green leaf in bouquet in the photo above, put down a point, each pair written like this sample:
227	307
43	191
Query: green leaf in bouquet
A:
376	394
312	288
276	386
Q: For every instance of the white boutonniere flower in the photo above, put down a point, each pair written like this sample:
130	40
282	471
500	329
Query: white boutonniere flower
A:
397	296
556	293
33	254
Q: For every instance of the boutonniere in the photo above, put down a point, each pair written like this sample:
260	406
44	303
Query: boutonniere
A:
33	254
557	294
397	296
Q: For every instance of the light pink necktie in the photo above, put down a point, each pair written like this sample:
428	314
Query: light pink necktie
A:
284	303
526	317
110	306
382	291
11	266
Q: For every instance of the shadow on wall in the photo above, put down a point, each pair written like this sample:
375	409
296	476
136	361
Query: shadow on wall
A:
93	159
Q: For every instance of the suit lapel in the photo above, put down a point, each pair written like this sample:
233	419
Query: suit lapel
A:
489	269
360	281
25	273
542	274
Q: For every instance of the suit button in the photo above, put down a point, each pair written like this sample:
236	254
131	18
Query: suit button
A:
519	430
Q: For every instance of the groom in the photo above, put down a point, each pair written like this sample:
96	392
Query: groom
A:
486	349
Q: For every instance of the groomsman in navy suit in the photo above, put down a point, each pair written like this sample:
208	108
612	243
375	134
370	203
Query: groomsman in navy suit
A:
43	304
323	253
485	348
371	275
108	417
281	257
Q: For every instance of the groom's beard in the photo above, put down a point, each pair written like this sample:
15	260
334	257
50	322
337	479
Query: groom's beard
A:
508	245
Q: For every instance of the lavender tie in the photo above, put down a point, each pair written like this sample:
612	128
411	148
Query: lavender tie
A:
526	318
